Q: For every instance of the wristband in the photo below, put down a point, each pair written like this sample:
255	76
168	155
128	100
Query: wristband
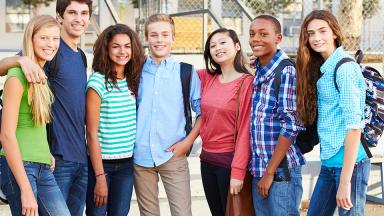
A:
101	174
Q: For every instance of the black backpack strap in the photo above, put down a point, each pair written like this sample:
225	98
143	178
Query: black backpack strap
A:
52	67
359	56
185	77
342	61
278	70
277	82
83	57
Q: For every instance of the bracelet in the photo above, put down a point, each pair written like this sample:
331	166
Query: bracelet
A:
101	174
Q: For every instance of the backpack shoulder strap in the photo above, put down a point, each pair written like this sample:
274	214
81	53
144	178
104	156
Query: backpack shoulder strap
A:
83	57
52	67
185	77
342	61
278	70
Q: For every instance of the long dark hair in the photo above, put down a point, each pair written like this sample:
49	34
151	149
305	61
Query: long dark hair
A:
103	64
213	67
308	66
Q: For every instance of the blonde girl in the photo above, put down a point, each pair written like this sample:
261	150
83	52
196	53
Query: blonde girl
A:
27	178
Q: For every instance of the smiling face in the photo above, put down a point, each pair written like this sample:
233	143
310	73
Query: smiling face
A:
120	51
263	39
75	20
45	43
160	39
321	37
222	49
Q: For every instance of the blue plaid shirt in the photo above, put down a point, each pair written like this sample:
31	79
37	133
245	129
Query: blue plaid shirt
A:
271	118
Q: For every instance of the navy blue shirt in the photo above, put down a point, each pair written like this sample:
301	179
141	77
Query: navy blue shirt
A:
68	109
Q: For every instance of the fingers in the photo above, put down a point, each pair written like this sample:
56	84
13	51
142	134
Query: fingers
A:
172	148
235	189
53	164
33	72
263	191
344	203
100	200
29	210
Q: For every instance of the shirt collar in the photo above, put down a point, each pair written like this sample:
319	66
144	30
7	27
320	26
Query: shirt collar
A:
167	63
332	60
267	70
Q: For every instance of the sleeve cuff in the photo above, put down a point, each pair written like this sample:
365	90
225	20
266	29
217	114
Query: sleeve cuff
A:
358	126
290	135
237	173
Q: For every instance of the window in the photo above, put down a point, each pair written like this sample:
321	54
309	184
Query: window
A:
17	15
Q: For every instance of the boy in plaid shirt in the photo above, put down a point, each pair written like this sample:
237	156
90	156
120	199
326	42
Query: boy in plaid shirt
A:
275	161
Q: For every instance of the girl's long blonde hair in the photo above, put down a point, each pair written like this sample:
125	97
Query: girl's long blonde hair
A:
40	97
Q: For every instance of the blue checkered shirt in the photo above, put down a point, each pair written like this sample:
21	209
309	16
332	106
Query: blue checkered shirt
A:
339	111
271	118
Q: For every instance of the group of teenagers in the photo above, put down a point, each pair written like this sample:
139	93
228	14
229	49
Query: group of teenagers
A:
125	126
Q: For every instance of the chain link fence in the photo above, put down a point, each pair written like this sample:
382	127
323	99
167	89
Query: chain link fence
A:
361	20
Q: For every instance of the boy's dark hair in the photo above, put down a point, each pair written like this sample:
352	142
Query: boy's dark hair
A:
103	64
213	67
61	5
273	20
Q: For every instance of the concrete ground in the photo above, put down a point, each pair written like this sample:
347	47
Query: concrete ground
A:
199	204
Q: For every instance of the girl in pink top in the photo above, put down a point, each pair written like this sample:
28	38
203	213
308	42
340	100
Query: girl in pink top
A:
226	86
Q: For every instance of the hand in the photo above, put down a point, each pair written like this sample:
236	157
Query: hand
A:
264	184
180	149
343	196
235	186
100	196
52	167
28	203
32	71
251	61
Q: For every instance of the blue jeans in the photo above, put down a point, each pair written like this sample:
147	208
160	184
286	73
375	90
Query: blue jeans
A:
120	185
284	196
323	200
47	193
72	179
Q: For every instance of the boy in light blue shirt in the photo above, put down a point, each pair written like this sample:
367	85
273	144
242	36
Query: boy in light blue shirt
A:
161	140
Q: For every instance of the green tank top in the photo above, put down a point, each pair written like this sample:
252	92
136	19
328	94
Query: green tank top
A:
32	139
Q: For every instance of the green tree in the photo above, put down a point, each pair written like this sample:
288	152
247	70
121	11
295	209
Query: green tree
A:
36	3
268	6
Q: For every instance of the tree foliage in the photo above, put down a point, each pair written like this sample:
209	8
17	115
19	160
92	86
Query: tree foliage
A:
370	8
268	6
35	3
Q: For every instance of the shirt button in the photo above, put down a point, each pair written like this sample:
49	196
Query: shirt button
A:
155	92
154	110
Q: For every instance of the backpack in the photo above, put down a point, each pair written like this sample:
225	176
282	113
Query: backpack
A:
374	102
51	68
305	140
185	78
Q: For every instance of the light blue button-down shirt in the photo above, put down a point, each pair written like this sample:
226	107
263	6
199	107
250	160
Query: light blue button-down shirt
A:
160	114
339	111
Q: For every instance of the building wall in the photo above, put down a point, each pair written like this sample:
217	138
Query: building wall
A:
12	41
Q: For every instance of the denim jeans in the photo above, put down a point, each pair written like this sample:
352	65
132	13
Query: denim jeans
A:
323	200
284	196
72	179
47	193
119	176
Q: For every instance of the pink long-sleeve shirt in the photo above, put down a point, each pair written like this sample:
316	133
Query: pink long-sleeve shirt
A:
218	109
